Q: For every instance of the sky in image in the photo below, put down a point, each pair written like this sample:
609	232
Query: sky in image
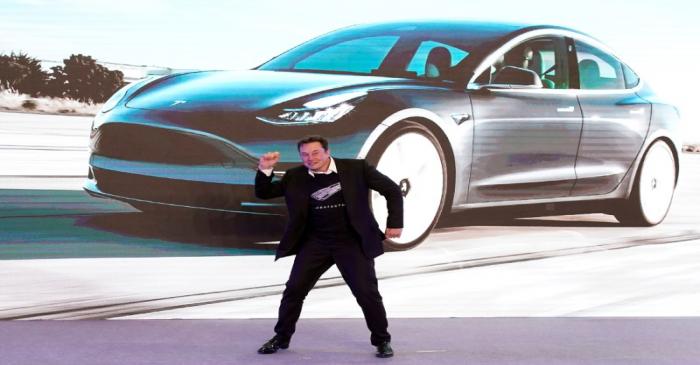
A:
659	39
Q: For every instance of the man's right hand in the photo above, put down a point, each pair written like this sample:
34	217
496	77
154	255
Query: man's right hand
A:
268	160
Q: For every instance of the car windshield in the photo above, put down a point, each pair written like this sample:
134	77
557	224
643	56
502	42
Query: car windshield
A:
400	52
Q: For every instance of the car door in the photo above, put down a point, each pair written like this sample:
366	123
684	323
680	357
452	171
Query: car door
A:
615	120
526	139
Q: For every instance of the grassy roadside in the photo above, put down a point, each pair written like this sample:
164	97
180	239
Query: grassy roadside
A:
15	102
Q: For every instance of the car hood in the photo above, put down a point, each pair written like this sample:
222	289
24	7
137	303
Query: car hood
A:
248	90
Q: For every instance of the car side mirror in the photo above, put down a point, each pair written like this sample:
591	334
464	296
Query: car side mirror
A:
516	77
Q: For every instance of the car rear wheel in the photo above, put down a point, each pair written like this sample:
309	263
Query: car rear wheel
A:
653	188
412	157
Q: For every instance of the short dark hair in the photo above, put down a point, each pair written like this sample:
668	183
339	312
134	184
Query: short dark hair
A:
311	139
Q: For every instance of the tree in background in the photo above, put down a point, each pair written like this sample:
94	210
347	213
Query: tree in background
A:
80	78
56	83
23	74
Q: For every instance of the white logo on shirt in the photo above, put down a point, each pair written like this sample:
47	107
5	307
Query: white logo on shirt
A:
327	192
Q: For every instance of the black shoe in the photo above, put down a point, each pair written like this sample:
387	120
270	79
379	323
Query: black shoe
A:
270	347
384	349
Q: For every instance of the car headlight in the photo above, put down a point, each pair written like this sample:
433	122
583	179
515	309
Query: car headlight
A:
97	121
115	98
121	93
323	110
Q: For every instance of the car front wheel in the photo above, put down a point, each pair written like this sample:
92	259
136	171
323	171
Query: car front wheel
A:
411	156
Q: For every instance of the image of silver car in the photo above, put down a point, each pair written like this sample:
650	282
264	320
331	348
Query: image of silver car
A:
462	115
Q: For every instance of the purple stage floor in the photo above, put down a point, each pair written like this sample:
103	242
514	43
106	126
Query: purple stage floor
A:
528	341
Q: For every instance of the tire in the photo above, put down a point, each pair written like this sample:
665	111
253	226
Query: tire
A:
653	189
412	157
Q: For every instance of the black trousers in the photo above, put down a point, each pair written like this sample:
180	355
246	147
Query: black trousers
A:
313	259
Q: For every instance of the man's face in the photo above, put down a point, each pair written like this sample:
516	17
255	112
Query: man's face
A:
314	156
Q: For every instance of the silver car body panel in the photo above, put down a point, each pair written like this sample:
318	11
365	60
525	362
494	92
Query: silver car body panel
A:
571	169
524	145
614	129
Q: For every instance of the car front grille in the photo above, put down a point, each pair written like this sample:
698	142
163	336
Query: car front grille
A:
135	142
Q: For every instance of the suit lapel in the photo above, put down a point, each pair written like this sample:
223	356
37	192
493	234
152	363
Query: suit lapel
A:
346	184
306	191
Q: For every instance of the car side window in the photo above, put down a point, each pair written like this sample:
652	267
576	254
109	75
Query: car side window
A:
345	56
598	70
435	59
546	56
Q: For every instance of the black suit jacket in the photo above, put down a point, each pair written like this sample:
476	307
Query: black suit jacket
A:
356	179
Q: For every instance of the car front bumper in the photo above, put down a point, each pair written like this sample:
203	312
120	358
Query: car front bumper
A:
204	187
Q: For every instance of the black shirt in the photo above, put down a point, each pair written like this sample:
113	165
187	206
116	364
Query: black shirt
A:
328	217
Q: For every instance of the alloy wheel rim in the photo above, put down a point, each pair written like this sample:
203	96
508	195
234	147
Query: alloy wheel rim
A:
413	162
657	182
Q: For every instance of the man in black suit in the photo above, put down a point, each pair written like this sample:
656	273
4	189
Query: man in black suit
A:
330	222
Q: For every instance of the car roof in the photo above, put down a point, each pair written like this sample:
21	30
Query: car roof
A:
471	29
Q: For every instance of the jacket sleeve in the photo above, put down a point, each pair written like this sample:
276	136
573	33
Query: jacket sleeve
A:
390	191
265	188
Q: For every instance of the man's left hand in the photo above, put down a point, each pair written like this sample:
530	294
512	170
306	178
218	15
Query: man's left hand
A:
393	232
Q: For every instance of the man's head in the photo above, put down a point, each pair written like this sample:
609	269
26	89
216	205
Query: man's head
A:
314	153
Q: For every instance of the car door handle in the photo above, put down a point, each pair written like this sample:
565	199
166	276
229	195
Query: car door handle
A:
637	111
568	109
